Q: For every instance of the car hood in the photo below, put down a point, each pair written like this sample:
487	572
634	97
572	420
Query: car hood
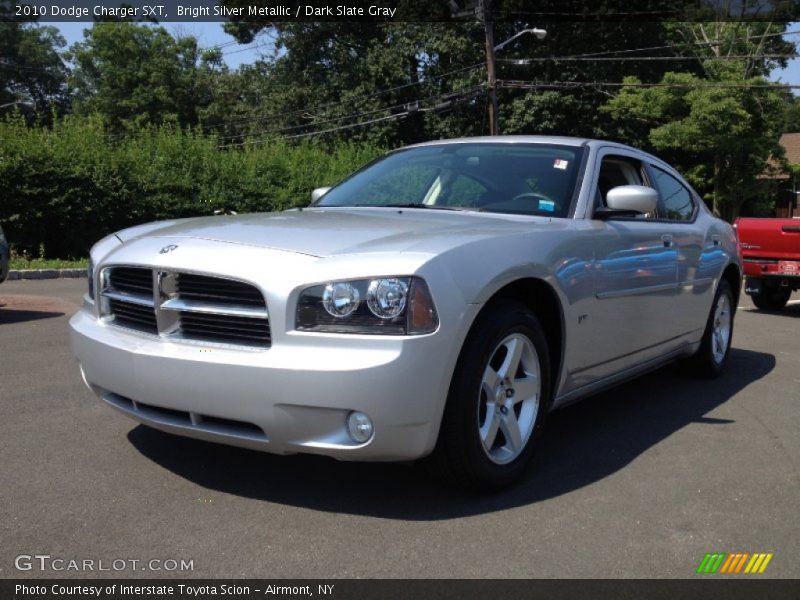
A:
326	232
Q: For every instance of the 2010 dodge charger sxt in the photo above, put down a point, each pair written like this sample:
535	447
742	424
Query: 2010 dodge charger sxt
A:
441	300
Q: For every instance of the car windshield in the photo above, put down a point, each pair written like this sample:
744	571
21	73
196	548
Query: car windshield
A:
528	179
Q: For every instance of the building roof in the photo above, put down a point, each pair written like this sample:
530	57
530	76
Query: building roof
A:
791	144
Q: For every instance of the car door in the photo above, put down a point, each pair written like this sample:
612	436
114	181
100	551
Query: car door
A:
698	258
635	277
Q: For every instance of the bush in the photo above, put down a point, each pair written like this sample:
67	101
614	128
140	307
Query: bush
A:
67	186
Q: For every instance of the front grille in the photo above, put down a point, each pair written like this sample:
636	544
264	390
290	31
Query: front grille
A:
185	306
129	292
201	326
131	280
214	289
134	316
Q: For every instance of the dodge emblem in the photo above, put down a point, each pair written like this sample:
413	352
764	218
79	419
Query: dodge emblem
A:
166	249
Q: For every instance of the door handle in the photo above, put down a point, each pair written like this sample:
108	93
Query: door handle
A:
715	240
667	239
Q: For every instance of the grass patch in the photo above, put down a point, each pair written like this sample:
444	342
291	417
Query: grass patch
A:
47	263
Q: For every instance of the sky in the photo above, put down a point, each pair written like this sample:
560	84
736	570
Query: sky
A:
212	34
207	34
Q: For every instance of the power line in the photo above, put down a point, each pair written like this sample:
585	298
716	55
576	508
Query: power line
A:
465	95
527	61
300	135
254	47
333	119
680	45
316	123
577	13
517	84
274	116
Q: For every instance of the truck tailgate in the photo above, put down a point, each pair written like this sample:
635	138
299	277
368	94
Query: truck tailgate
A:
776	239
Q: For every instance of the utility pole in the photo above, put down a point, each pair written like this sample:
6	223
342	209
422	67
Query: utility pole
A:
485	7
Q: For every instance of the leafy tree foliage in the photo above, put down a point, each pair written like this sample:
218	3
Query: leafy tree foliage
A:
136	75
32	73
722	135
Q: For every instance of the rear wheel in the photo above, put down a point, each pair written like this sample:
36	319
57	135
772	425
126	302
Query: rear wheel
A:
772	298
714	349
498	400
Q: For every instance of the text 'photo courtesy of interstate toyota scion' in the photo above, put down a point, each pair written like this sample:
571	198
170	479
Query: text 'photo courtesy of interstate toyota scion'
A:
437	303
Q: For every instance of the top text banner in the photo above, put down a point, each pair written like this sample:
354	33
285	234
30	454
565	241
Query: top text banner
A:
387	11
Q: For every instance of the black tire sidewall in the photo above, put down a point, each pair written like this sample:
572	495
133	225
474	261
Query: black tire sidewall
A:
772	299
459	438
707	364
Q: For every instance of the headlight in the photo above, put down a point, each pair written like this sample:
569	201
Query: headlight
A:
394	306
386	298
340	299
90	275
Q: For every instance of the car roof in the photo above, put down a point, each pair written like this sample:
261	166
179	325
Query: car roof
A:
535	139
509	139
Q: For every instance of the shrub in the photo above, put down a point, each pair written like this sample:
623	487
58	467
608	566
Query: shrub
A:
69	185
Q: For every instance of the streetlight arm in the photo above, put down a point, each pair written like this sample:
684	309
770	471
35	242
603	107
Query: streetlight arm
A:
539	33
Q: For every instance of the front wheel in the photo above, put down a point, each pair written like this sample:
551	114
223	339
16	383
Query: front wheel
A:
498	400
716	343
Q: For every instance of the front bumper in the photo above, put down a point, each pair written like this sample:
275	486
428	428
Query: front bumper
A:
291	398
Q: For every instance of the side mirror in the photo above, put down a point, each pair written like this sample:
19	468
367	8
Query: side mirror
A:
319	193
628	201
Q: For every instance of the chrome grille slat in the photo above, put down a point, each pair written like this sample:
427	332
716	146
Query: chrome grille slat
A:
212	336
235	325
139	299
186	306
214	308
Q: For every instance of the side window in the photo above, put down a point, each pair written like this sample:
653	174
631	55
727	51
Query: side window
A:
676	201
616	171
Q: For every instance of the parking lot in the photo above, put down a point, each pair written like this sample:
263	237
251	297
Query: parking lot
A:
640	481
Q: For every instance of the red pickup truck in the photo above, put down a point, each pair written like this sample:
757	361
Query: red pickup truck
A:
771	252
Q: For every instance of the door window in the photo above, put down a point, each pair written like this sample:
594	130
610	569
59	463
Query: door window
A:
676	201
616	171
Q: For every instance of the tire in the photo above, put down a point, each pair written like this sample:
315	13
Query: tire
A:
492	422
772	298
715	346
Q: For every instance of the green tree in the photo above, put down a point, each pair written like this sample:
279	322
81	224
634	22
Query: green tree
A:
136	75
722	130
32	72
338	75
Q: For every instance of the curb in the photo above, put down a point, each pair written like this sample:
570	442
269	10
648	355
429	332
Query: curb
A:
45	274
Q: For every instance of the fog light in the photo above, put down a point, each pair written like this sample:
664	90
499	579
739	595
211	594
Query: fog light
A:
359	426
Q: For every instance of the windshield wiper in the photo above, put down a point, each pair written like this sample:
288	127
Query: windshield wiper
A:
431	206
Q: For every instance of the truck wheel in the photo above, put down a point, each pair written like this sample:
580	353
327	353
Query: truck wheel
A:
772	298
716	343
498	400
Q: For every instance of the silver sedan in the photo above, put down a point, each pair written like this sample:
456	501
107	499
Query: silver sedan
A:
440	301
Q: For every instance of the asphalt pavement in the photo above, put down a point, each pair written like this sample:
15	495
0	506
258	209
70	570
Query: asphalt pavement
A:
640	481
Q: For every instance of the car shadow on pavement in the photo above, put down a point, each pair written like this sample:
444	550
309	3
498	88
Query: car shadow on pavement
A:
791	310
8	316
582	444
